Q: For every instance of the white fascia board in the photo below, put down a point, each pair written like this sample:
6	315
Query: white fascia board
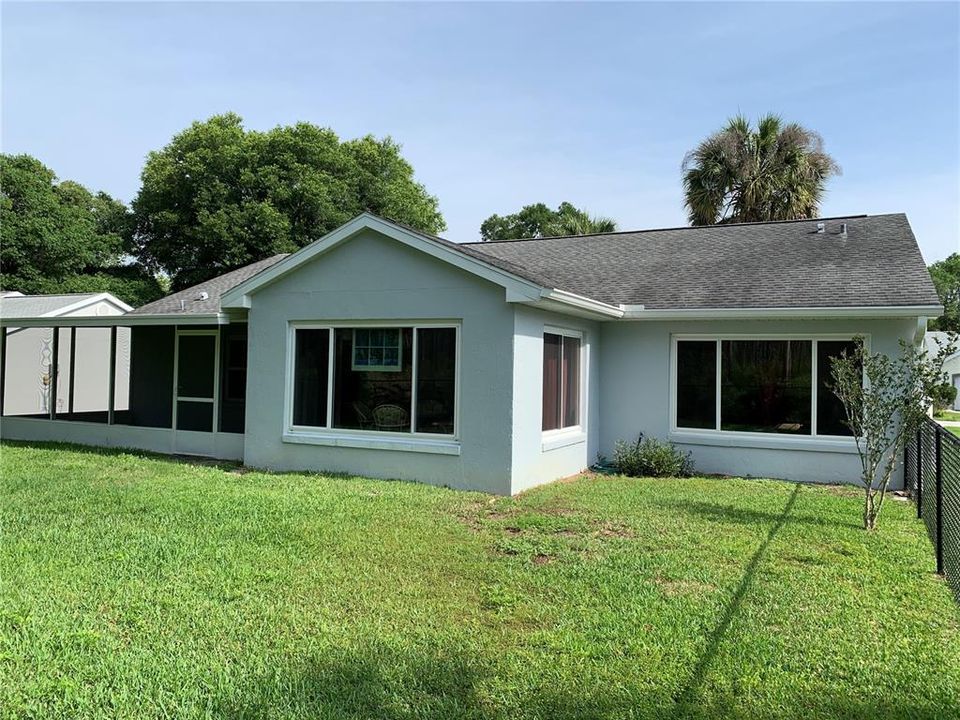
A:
116	320
631	312
86	302
239	296
568	302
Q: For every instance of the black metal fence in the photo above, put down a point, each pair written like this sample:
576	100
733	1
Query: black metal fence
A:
932	476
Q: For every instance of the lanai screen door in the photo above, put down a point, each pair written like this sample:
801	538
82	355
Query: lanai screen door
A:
196	385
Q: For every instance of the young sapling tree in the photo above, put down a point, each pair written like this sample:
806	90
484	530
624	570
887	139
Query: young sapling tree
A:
885	399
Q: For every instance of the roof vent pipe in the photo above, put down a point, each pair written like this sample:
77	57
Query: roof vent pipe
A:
821	228
843	230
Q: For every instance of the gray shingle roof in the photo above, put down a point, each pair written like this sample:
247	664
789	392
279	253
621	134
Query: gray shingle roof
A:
215	288
753	265
475	252
26	306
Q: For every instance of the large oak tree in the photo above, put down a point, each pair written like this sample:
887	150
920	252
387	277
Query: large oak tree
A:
58	237
220	196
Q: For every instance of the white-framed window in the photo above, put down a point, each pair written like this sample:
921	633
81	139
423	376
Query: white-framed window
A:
762	384
562	370
415	393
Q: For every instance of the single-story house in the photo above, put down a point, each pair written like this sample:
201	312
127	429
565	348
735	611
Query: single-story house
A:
79	390
951	365
382	351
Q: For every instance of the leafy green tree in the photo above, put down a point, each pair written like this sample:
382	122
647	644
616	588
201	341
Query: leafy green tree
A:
777	171
538	220
58	237
220	196
946	278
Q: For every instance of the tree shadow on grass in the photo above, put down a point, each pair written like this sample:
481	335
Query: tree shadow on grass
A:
373	681
735	514
389	683
688	694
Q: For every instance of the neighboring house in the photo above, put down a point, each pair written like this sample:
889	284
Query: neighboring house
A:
951	366
28	386
381	351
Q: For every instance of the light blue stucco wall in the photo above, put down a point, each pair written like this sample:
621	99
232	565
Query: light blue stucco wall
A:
635	397
371	277
626	365
534	460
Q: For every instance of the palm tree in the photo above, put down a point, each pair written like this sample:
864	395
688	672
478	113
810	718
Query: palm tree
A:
776	172
570	220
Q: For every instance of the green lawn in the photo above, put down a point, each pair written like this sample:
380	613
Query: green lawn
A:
947	415
141	587
954	430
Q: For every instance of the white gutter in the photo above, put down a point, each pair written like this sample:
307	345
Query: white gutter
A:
128	320
580	302
638	312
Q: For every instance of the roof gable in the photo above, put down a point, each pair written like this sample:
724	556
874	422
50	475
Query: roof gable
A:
521	284
26	306
934	340
517	282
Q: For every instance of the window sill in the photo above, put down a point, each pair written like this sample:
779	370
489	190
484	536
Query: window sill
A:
556	439
412	444
845	445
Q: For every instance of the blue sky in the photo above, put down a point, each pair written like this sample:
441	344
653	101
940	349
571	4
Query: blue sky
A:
502	105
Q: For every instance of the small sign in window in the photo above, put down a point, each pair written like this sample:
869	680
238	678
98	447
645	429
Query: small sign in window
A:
377	350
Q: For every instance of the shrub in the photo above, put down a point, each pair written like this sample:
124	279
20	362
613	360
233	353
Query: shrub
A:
943	396
649	457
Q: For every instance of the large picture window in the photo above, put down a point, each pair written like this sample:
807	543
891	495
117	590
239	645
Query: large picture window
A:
561	381
759	386
380	379
765	386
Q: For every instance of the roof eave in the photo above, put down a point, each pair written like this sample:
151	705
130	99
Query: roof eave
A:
638	312
128	320
570	303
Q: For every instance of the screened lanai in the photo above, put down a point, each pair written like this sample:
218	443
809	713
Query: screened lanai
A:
169	376
131	380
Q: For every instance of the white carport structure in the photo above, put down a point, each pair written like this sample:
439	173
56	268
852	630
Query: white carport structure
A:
31	352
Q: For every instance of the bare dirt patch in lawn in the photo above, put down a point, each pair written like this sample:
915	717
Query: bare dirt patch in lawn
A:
616	530
674	588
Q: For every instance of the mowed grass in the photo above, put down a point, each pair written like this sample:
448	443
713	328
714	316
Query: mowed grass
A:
140	586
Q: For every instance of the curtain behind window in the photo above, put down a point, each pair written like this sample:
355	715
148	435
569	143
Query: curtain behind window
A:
552	346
